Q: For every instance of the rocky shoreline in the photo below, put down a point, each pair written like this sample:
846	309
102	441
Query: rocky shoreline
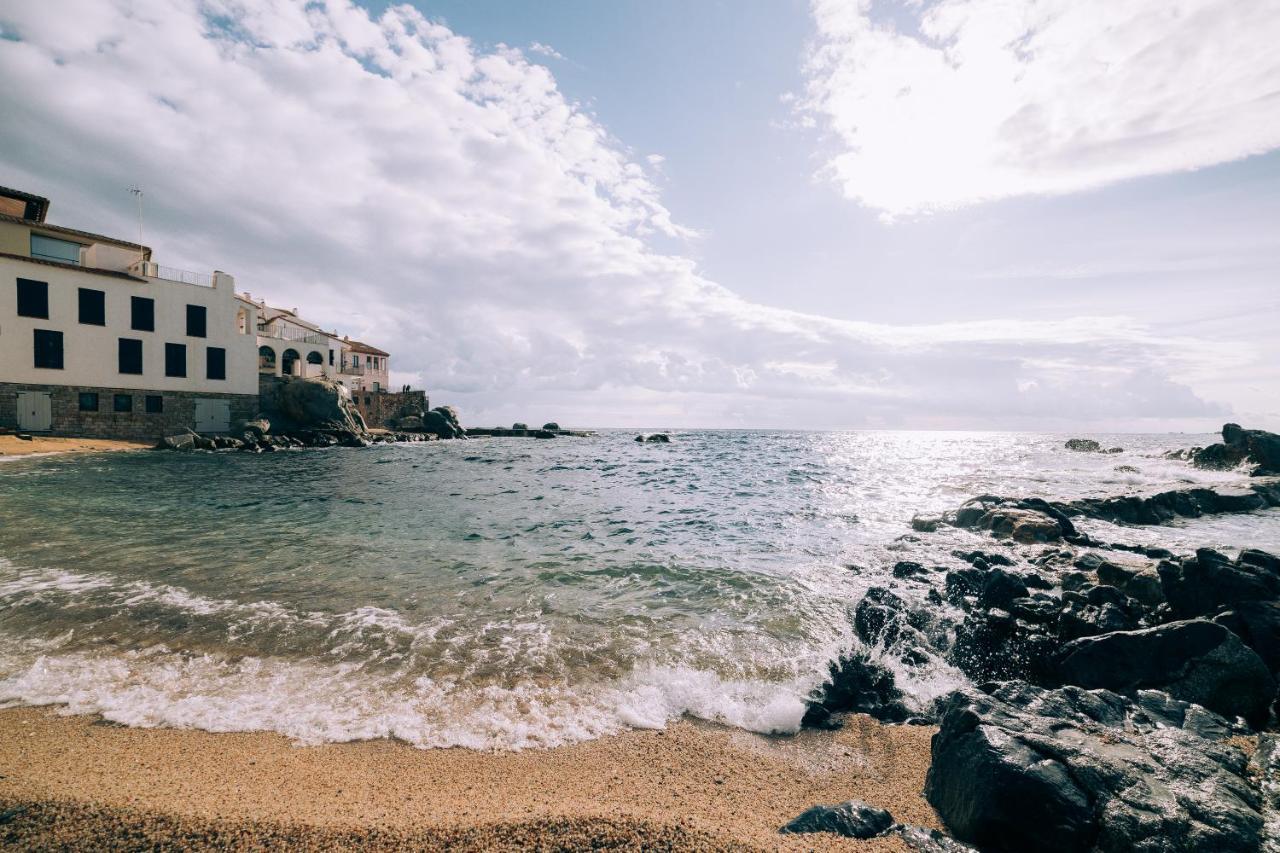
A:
1125	697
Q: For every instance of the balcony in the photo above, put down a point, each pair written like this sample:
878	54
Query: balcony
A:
355	370
289	333
147	269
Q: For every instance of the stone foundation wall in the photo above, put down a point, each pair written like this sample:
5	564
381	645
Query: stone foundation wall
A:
67	419
378	407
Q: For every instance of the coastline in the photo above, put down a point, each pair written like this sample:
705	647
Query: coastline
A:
12	446
694	785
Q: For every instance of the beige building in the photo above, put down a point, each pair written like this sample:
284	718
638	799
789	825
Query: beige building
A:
364	368
287	344
98	339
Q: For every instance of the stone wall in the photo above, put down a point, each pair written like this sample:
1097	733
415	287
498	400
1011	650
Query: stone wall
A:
178	410
378	407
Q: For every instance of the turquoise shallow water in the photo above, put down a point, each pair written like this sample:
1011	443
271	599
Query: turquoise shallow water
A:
496	593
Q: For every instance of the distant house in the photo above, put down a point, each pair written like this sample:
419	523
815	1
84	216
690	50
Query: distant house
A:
364	367
97	339
287	344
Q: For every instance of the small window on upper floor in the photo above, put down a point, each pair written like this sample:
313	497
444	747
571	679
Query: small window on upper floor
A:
52	249
93	307
142	314
196	321
33	298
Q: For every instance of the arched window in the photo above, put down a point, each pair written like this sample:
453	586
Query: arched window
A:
289	361
314	357
266	360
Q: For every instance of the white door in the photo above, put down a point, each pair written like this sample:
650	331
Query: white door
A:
213	415
35	412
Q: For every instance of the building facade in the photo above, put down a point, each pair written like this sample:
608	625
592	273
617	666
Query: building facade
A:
96	339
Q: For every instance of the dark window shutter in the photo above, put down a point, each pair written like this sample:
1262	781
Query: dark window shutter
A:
143	313
130	356
33	298
93	307
175	360
197	321
48	349
216	363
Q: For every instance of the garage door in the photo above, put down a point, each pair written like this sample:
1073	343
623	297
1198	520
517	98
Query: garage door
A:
213	415
35	412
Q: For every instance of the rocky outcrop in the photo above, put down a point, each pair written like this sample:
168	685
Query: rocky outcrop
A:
655	438
443	421
293	404
1211	581
1083	445
1194	660
1238	446
1024	768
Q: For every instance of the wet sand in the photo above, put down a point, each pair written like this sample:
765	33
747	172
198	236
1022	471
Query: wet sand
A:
11	445
73	781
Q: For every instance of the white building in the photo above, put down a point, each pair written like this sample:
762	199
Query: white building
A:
96	339
287	344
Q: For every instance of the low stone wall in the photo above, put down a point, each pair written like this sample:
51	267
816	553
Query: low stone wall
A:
379	407
178	410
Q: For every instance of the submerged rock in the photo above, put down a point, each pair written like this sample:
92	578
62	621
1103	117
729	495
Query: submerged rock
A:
1194	661
1024	768
1083	445
854	819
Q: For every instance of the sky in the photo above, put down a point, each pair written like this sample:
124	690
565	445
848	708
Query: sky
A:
1057	215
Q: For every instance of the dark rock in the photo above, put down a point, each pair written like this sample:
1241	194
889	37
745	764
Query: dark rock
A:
1072	770
994	645
964	583
443	421
546	433
1239	445
1210	581
552	426
519	427
992	559
1126	469
178	441
1021	525
1257	623
999	588
855	685
907	569
1195	661
409	422
658	438
1083	445
854	819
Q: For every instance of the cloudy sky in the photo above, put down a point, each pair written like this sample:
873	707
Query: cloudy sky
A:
1046	214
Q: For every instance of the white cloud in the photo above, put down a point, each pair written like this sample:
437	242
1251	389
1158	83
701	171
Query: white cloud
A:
941	105
450	205
545	50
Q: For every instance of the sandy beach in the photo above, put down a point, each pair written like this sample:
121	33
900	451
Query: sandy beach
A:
11	445
71	781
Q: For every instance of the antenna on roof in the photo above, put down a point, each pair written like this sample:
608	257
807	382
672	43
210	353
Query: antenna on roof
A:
137	192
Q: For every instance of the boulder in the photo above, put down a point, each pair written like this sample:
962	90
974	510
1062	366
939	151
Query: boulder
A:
258	427
659	438
1211	581
1083	445
1194	661
546	433
925	523
855	685
1239	444
1021	525
178	441
443	421
854	819
1070	770
519	427
295	403
551	427
1257	623
999	588
994	645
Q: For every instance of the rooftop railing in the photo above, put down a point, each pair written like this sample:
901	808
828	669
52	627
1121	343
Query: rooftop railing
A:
290	333
147	269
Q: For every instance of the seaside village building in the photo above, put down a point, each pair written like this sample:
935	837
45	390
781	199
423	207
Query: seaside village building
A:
99	340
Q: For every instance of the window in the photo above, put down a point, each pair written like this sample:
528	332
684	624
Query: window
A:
196	321
130	356
143	311
93	307
331	358
123	403
88	401
175	359
155	404
215	363
33	298
53	249
48	349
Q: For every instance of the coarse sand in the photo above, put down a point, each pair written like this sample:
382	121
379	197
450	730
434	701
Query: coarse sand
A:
11	445
77	782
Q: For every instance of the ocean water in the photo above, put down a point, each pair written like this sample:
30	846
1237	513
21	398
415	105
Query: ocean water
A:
504	593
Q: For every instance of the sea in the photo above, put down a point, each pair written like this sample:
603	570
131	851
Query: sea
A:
509	593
